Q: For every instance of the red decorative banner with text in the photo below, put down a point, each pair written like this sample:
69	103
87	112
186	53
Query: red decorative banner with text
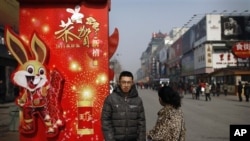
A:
75	39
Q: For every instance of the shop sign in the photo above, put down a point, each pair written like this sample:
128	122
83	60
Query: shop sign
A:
241	49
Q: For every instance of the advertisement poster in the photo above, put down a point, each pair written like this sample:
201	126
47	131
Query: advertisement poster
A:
63	53
235	27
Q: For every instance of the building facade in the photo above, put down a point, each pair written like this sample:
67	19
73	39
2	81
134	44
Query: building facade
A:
201	50
9	15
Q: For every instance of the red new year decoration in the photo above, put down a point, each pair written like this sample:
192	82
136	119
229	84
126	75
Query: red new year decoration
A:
41	86
113	42
76	33
111	74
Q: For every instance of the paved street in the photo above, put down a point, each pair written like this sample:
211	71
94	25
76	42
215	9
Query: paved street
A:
205	121
8	122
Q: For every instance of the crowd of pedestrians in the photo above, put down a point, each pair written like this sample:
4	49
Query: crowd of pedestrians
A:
203	89
213	89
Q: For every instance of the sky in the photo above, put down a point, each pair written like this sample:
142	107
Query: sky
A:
136	20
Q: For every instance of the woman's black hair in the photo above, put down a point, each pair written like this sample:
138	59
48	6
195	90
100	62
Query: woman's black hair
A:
170	96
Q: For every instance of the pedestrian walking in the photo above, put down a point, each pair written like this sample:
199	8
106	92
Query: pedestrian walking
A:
193	90
207	92
225	88
198	91
218	89
213	89
202	84
240	91
247	91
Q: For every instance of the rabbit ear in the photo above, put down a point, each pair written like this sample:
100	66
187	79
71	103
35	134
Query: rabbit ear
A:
77	9
39	49
70	10
16	47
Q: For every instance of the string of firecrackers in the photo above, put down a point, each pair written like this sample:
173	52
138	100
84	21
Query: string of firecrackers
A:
54	109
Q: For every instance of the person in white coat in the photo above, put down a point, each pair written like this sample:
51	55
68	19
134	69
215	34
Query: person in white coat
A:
207	92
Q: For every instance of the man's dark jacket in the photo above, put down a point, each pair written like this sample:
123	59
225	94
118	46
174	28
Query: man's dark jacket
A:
123	117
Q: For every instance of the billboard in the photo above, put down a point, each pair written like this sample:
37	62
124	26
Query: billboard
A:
187	64
226	59
188	39
200	29
213	27
235	27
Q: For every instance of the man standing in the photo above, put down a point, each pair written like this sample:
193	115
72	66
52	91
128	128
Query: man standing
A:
123	117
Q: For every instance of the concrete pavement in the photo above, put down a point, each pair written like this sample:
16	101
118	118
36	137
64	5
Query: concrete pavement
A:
211	120
9	122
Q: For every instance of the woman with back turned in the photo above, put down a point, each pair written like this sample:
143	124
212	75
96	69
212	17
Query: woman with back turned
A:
170	125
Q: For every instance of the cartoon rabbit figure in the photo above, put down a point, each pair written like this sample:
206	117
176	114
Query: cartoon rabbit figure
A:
32	76
76	17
